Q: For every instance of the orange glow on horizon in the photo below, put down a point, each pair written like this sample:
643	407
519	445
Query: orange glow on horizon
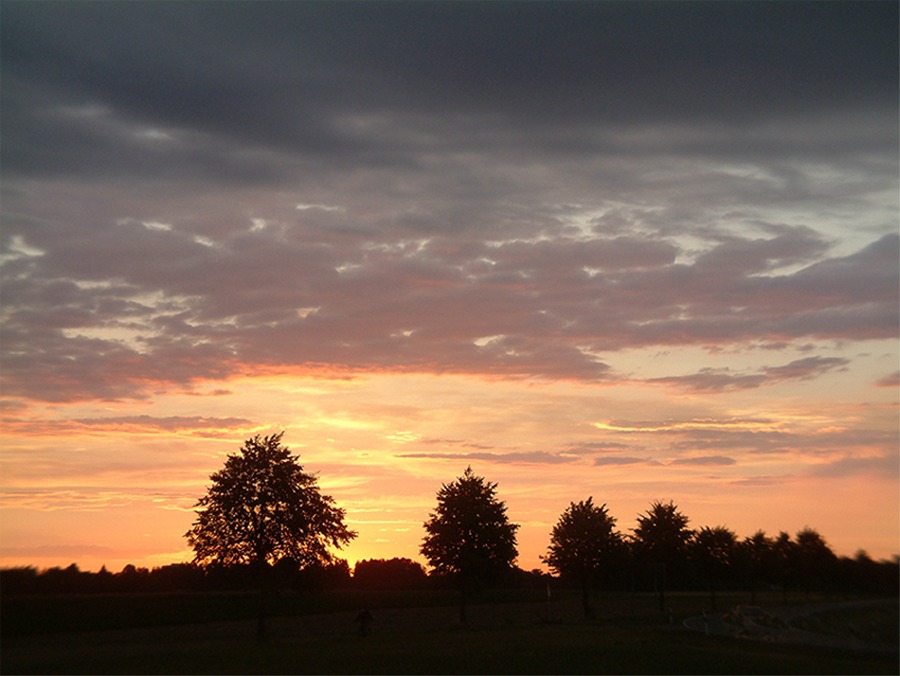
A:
383	445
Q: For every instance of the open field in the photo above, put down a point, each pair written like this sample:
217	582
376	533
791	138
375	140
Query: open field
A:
629	636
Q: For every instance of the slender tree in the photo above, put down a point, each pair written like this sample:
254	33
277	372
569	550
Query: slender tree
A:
662	535
783	561
468	535
261	508
757	554
712	551
582	541
814	561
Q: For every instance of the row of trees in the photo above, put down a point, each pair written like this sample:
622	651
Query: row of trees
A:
264	519
470	537
857	574
263	508
664	552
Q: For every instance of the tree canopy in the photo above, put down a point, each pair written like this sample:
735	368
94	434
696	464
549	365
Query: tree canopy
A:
262	507
713	550
662	532
469	534
581	541
662	535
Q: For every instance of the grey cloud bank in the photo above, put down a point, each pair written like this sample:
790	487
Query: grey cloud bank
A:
196	190
382	83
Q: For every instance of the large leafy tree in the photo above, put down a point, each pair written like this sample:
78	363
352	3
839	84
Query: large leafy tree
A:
582	541
662	536
262	508
469	535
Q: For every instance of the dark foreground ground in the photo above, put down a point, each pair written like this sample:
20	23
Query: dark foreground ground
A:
528	637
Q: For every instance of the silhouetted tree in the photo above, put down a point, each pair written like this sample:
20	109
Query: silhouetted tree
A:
262	507
712	551
862	574
782	561
69	579
813	560
582	541
756	557
662	535
469	535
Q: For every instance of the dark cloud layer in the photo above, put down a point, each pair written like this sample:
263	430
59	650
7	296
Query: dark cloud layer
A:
310	82
200	190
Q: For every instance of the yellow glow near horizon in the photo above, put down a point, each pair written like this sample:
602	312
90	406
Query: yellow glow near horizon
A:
382	445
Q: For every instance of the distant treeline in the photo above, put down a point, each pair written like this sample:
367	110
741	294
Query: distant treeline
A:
785	569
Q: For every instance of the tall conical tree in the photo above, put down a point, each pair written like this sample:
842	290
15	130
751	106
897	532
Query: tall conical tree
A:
469	535
581	542
662	535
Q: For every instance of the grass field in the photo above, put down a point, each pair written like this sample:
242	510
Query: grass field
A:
422	635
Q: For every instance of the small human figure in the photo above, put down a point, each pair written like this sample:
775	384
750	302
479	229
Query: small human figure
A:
364	619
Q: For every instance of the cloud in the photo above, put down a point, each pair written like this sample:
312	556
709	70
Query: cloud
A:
759	481
882	466
705	460
104	322
621	460
453	442
525	457
119	424
812	437
595	447
723	379
172	70
322	207
387	208
690	425
90	499
890	380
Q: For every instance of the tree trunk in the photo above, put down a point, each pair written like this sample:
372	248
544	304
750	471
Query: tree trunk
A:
661	586
263	608
463	599
586	596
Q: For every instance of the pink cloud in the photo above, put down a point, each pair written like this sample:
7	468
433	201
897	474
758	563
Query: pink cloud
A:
261	299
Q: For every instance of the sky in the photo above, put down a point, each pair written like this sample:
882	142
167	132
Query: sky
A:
635	251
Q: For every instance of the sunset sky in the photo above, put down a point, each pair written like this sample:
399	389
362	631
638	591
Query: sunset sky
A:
631	251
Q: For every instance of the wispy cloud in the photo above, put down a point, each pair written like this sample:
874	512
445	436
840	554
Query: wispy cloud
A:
622	460
881	465
120	424
514	457
720	380
705	460
890	380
